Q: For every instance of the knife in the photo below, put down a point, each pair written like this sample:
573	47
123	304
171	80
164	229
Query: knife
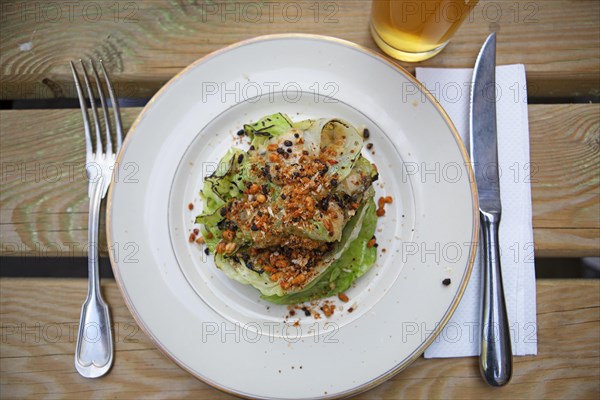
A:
495	362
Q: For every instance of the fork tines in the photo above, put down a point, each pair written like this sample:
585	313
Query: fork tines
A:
84	110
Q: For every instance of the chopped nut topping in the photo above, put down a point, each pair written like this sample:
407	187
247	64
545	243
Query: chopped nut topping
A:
381	205
328	310
288	190
228	235
299	279
230	247
253	189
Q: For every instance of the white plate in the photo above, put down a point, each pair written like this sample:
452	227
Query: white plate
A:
219	330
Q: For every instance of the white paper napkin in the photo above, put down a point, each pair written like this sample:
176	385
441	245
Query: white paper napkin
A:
461	336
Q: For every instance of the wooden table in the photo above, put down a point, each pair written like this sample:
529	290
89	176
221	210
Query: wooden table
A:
43	200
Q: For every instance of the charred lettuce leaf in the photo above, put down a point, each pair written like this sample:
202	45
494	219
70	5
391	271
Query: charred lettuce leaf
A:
342	227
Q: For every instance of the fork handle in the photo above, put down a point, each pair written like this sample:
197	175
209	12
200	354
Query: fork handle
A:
96	194
94	351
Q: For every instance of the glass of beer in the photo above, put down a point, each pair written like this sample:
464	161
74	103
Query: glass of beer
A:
415	30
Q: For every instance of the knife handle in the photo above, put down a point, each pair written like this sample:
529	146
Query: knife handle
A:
495	362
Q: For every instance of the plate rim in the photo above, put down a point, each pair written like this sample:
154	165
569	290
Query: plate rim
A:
368	52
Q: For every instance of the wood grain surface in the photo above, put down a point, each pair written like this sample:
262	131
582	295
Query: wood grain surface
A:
147	42
43	202
36	357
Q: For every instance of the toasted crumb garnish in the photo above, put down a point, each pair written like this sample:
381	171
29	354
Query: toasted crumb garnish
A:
299	279
381	205
228	235
328	310
230	247
253	189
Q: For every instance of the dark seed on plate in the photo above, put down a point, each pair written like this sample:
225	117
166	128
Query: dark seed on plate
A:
289	150
366	133
325	204
254	228
334	183
223	211
348	198
288	143
324	170
369	146
296	135
306	311
446	281
283	196
206	251
251	148
338	200
241	132
280	150
265	189
240	158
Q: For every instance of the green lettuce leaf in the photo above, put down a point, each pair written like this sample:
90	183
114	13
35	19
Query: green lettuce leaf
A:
354	262
244	275
268	127
349	259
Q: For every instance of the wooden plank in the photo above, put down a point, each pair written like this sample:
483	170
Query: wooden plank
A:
567	242
146	43
43	203
565	165
38	343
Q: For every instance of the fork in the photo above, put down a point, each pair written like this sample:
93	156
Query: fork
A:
94	351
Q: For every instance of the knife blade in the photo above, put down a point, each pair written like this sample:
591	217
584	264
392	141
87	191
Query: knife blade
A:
495	362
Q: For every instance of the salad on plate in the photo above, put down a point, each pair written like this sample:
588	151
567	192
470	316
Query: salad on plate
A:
294	214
